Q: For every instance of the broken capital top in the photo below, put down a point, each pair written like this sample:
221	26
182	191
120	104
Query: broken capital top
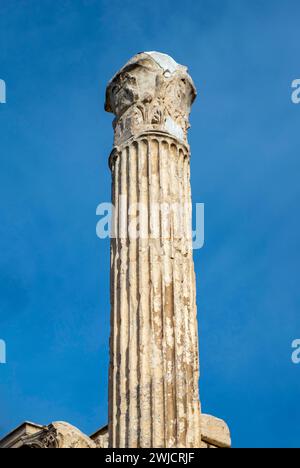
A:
151	93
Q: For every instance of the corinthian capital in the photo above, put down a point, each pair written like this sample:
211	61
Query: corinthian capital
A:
151	93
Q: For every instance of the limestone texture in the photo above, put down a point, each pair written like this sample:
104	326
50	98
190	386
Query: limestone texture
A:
154	367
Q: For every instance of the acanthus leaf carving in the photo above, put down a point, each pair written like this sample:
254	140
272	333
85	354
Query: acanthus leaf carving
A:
156	100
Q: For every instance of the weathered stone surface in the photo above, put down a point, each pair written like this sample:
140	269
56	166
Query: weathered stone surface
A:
154	369
150	93
215	432
15	439
66	436
57	435
101	437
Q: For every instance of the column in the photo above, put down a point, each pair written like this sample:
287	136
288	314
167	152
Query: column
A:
154	366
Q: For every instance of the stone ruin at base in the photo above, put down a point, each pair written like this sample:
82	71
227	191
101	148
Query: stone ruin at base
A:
215	434
154	367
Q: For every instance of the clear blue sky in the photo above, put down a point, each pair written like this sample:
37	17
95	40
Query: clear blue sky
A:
56	58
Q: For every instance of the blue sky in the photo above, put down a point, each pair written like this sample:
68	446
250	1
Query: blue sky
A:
55	138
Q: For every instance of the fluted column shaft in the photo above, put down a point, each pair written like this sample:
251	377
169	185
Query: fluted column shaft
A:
154	399
154	368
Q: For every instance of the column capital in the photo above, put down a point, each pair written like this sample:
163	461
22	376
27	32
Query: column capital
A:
150	93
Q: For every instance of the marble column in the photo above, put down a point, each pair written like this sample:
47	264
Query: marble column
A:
154	366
